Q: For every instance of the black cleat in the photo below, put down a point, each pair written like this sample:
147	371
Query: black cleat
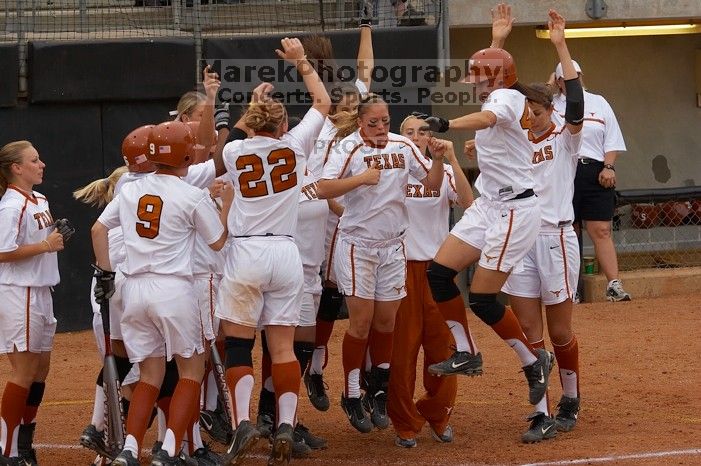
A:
376	406
460	363
125	458
356	414
281	452
94	440
542	428
568	409
215	425
25	439
245	438
162	458
303	434
316	390
537	375
265	424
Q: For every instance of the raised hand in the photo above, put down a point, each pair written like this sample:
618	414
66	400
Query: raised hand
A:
470	149
292	50
502	22
261	93
439	148
211	83
556	25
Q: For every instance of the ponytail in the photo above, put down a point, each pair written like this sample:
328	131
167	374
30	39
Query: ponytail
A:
100	192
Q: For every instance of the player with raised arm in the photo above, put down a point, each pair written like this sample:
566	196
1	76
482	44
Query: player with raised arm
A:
160	321
263	279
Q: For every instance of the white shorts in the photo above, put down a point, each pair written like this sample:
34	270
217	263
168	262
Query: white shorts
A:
134	374
310	306
206	287
327	267
371	269
503	230
262	284
550	269
27	319
160	317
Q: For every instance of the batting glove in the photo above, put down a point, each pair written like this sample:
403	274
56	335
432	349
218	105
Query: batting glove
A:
437	124
65	227
104	285
221	117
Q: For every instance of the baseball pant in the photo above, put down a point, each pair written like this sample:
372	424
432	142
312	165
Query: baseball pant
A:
419	323
27	319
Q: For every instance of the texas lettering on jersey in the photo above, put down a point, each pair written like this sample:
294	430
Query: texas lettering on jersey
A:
44	219
419	190
385	161
543	154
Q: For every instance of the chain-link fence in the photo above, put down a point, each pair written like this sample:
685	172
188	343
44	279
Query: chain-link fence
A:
109	19
656	229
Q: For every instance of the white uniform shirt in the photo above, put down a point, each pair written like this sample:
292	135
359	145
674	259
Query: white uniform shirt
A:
26	220
376	212
428	216
555	164
601	132
268	175
159	215
504	150
205	259
311	224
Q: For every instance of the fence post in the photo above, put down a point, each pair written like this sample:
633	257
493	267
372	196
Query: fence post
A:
176	14
197	36
22	46
83	8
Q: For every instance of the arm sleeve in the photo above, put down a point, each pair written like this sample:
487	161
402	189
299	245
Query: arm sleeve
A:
613	138
307	131
504	106
207	223
9	230
110	216
201	175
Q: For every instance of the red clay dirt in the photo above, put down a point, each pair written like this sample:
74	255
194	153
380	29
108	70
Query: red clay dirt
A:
639	382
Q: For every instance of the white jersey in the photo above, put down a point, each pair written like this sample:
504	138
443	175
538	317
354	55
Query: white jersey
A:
206	260
504	150
555	165
268	175
159	215
429	210
600	133
376	212
311	224
26	219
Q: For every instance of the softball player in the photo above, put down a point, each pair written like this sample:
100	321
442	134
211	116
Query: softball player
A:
263	279
344	101
419	323
371	167
551	268
28	271
159	320
501	226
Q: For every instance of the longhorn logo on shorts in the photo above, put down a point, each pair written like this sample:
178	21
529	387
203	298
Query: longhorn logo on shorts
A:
489	258
557	293
399	290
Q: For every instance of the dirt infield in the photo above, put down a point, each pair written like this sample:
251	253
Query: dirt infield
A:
639	380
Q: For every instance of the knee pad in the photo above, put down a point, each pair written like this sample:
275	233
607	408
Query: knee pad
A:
442	283
329	304
486	307
239	351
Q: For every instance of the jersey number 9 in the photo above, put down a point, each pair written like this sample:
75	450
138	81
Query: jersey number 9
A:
149	212
282	176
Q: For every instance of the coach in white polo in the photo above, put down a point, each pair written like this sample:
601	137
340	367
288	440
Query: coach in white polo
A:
595	182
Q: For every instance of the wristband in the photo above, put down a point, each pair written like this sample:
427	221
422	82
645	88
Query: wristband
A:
609	166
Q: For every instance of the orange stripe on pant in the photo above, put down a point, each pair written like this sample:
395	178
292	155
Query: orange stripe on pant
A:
419	323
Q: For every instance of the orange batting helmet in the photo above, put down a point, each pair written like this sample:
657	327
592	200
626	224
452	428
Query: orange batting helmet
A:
172	144
134	150
494	65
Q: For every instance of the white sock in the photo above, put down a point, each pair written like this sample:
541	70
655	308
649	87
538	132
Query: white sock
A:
131	445
242	395
384	365
542	405
463	341
210	398
161	417
286	408
318	357
568	379
524	354
353	384
195	436
169	442
98	409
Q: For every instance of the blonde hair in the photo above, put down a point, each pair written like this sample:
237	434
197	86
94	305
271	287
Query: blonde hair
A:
345	122
100	192
188	102
265	116
10	154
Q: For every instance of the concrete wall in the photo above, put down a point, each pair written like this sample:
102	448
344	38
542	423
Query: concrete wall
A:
649	82
476	12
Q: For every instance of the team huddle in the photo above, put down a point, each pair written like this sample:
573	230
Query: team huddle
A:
211	235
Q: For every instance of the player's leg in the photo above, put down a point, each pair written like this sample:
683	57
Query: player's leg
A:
25	365
408	330
436	405
453	256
